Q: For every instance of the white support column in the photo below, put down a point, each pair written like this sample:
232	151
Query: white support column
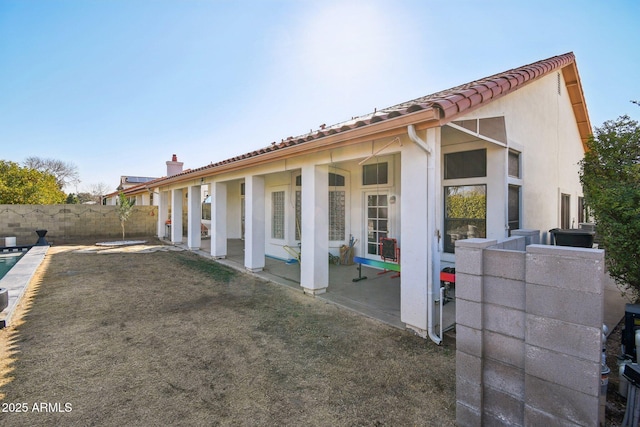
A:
163	214
194	226
314	268
254	223
219	220
176	216
414	238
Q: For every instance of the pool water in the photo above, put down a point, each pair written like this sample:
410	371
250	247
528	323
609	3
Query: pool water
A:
8	260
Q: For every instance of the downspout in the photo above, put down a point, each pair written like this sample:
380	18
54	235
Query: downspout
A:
432	242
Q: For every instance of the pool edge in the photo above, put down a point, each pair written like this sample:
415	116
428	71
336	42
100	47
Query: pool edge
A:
17	280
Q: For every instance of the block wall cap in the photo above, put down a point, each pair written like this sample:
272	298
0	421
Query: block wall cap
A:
475	243
568	251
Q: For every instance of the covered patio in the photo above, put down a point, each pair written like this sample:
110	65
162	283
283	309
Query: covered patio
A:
377	296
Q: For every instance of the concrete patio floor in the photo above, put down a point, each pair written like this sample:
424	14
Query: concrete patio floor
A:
377	297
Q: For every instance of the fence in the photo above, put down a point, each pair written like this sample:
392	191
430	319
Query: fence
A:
72	222
528	327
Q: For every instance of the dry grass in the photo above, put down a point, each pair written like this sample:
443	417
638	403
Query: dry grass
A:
168	338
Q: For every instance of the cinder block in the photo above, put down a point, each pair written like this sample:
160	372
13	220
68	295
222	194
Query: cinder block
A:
506	292
469	340
469	313
576	268
513	243
567	371
467	416
469	255
504	348
532	237
508	379
469	392
563	403
468	287
583	308
503	407
535	417
469	260
504	320
468	367
504	263
564	337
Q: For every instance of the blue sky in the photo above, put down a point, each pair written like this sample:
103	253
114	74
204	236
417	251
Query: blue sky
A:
116	87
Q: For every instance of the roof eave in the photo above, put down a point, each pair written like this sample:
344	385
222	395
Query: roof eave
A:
422	119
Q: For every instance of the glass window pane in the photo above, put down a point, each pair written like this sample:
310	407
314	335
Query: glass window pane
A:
376	173
465	214
277	217
383	213
514	164
514	207
298	213
337	210
465	164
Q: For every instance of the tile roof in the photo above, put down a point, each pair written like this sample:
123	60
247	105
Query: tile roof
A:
447	105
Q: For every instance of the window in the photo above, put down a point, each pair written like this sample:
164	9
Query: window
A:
583	215
242	188
514	164
377	221
206	208
337	207
514	208
565	211
465	214
465	164
337	215
298	213
277	215
375	174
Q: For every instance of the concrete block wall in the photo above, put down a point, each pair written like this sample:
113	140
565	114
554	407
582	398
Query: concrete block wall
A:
70	222
528	333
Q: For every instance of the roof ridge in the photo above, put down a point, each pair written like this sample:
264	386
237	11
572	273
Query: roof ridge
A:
449	102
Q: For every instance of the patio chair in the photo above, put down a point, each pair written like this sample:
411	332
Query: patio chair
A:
389	252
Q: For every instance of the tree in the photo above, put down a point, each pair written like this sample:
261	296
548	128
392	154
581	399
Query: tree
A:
610	176
124	208
72	199
97	191
27	186
64	173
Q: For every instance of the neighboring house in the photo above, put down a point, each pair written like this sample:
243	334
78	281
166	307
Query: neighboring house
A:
138	188
478	160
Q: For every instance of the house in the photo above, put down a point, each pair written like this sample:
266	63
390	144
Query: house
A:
137	188
477	160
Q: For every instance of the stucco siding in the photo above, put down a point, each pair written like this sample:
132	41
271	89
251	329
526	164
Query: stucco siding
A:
540	122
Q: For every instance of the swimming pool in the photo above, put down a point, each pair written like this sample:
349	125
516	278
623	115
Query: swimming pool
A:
8	260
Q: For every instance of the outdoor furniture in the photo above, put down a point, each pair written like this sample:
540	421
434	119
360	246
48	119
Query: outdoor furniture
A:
389	251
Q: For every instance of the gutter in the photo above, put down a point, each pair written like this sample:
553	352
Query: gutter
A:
432	243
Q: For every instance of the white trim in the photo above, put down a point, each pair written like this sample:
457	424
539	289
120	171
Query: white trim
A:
476	134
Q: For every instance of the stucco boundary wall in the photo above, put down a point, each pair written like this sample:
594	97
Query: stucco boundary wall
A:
71	222
528	329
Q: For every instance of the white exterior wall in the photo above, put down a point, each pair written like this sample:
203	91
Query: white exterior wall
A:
541	124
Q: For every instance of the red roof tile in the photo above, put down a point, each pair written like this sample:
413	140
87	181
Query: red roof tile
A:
450	103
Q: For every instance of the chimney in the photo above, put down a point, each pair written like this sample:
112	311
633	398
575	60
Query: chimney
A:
174	167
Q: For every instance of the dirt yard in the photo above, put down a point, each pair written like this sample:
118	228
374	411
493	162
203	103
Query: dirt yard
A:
141	336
